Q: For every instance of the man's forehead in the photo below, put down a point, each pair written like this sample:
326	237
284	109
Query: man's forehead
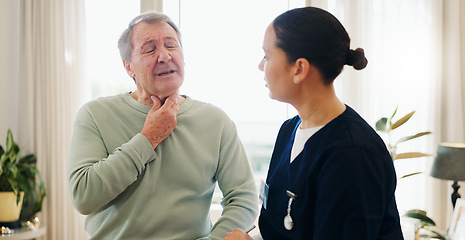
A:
166	38
149	31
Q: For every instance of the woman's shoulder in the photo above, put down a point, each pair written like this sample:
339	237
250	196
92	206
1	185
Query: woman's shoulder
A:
350	130
290	123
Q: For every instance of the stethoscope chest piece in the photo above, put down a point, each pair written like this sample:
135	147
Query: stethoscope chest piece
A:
288	222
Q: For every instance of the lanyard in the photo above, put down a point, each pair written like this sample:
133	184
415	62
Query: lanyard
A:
288	221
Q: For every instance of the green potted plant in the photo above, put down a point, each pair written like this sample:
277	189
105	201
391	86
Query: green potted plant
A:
19	177
386	125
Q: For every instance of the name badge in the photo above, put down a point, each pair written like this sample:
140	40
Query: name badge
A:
264	193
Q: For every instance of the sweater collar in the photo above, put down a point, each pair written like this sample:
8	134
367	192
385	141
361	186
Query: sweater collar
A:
145	109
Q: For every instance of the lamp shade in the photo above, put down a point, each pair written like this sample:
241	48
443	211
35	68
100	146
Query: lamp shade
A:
449	163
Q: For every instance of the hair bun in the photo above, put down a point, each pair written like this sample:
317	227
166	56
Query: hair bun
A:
356	58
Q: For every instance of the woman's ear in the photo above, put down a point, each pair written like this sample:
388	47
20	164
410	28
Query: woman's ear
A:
127	66
302	70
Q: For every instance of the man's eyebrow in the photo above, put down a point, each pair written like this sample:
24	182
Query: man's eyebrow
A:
147	42
151	40
171	38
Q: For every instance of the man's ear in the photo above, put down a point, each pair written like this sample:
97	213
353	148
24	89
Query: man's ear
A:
127	66
302	70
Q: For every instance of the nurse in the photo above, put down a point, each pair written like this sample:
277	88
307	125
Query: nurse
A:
330	175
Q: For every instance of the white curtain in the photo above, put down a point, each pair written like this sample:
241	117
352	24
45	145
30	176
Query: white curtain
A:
450	104
416	54
452	81
51	89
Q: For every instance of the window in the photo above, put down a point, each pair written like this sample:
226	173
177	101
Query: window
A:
103	28
222	49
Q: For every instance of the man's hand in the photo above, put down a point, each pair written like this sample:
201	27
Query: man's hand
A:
161	119
237	234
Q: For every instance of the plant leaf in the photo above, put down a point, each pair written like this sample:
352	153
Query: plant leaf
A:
2	159
439	235
381	125
29	159
410	155
419	216
389	121
9	141
13	169
413	137
401	121
411	174
14	186
394	113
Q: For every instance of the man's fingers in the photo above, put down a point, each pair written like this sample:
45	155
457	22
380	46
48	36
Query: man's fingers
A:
156	102
172	101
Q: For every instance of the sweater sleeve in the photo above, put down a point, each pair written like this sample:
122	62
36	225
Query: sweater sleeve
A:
236	181
95	176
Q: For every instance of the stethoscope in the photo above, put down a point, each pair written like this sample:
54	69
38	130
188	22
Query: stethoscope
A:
288	221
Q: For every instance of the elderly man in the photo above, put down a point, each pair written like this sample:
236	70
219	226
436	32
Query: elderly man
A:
144	164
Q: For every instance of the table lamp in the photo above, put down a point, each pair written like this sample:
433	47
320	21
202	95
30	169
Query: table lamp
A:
449	164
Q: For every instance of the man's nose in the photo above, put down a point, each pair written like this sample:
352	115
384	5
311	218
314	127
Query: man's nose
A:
164	56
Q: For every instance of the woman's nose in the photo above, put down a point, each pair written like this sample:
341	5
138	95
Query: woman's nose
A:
261	64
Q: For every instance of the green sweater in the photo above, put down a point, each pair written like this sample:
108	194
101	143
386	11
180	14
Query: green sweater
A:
131	191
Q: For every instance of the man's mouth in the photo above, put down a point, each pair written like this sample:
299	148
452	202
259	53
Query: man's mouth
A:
166	73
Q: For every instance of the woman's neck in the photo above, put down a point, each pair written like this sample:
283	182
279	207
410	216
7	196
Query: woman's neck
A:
320	108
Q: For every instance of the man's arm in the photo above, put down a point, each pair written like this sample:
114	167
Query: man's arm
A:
96	177
237	183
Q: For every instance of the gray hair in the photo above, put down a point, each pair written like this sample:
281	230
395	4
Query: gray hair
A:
124	42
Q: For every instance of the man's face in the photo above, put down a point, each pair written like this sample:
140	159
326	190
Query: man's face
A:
157	61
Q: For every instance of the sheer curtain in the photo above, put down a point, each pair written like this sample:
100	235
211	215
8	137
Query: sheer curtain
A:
450	104
416	56
415	50
50	93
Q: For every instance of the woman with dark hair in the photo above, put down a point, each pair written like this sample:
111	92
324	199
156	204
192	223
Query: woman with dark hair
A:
330	175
